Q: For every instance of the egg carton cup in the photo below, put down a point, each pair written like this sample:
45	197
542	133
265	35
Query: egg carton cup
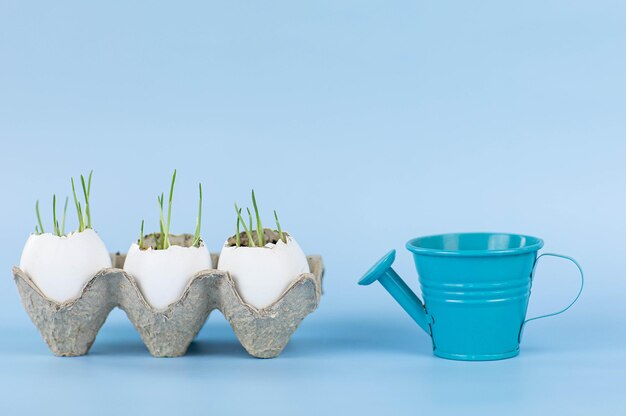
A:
70	328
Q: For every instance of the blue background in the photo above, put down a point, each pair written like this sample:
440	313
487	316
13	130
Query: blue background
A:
364	124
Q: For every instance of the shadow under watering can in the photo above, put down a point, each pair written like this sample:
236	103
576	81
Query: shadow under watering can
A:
476	288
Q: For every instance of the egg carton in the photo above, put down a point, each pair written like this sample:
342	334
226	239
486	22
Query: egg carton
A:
70	328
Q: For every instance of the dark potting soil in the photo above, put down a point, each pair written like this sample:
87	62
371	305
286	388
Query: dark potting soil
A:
271	236
183	240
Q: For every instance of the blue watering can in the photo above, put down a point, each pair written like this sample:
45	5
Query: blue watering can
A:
475	287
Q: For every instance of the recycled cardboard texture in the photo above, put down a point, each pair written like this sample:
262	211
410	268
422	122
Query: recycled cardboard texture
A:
70	328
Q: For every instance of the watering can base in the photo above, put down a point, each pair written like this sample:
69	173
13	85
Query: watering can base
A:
476	357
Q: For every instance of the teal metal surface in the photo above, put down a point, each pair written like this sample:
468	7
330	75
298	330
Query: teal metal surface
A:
580	290
393	283
476	288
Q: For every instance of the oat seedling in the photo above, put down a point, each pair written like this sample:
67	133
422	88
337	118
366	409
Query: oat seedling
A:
280	231
237	237
38	230
55	222
196	237
141	236
58	231
84	221
245	228
161	220
163	239
163	225
86	192
169	212
250	221
260	231
67	199
259	227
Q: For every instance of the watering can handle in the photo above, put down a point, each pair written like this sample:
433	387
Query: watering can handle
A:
582	283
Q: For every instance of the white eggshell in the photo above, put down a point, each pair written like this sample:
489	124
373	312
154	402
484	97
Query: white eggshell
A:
61	266
262	274
163	275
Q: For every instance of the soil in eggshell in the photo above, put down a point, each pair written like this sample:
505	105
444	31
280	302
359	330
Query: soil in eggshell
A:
271	236
183	240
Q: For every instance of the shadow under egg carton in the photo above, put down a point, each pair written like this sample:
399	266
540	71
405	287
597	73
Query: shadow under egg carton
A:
70	328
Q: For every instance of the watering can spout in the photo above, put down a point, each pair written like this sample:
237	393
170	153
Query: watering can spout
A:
393	283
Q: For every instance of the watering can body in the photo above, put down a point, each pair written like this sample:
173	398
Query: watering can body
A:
476	288
478	305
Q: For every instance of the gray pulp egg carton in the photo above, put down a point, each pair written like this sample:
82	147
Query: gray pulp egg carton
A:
70	328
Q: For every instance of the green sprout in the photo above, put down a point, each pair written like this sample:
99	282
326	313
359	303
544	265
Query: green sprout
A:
161	220
38	230
67	199
141	235
280	231
79	212
260	231
169	212
84	221
196	237
86	192
58	231
55	222
237	237
163	225
259	227
250	221
163	241
246	229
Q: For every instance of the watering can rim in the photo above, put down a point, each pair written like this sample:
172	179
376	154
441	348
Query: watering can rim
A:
534	245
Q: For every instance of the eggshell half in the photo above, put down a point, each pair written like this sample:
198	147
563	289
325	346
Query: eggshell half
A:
162	275
61	266
262	274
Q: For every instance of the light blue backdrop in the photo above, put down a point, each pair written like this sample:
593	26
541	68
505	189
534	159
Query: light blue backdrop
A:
364	124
